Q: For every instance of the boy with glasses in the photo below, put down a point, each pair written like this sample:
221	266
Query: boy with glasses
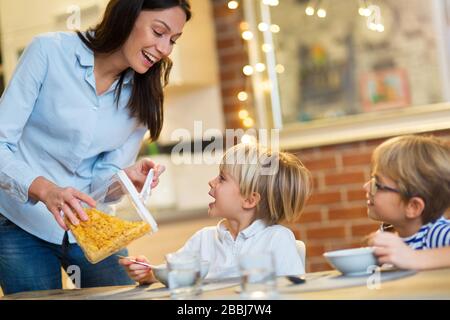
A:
409	192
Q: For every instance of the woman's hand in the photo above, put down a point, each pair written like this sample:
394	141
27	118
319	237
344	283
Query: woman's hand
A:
61	200
138	272
139	171
390	248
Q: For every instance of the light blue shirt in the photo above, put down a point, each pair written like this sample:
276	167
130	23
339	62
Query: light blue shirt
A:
53	124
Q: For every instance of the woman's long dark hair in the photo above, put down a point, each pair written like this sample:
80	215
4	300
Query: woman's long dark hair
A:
147	98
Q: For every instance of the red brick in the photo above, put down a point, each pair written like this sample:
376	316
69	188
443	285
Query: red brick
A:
319	164
230	74
232	91
375	142
326	233
345	178
315	250
222	10
340	147
234	57
365	229
324	198
227	43
234	124
319	266
297	234
347	213
354	195
356	159
314	216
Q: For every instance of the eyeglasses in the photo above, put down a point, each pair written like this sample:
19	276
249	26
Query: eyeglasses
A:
375	186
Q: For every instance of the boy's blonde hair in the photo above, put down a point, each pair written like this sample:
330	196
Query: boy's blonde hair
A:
280	178
420	165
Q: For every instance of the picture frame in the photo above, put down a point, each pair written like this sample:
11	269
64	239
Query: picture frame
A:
385	89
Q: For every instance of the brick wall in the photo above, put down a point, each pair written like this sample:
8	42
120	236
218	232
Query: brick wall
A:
232	58
336	215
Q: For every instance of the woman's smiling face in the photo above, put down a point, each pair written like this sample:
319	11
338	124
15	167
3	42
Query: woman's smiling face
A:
153	37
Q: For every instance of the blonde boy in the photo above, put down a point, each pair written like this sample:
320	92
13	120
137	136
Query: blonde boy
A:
410	191
254	191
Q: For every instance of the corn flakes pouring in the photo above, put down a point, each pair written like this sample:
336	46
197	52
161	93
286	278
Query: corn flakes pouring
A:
103	235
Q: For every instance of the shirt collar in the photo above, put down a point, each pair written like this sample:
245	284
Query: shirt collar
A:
257	226
85	57
423	228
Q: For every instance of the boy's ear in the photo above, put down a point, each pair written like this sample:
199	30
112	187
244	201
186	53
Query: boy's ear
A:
252	201
415	207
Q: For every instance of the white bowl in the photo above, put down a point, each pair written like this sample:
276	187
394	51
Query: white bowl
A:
161	273
352	262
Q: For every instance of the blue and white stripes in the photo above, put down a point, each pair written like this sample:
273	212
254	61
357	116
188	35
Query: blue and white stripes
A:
432	235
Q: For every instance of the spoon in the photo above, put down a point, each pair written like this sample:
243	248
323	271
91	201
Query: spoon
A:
137	262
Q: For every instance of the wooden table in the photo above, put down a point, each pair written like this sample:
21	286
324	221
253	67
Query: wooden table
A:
433	284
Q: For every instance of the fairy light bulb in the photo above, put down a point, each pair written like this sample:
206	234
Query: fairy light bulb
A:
272	3
244	25
248	70
242	96
247	35
233	5
309	11
243	114
365	12
275	28
279	68
248	139
260	67
321	13
263	27
266	47
248	122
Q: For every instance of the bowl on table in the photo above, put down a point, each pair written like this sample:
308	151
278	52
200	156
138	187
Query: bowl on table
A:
353	262
161	272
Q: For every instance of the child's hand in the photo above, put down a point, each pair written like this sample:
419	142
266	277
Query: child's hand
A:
138	272
390	248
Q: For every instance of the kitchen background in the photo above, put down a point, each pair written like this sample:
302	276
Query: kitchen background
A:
336	79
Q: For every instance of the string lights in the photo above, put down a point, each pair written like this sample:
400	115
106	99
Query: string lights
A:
257	67
260	73
316	7
365	9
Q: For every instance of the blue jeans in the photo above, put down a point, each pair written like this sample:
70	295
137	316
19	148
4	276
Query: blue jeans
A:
28	263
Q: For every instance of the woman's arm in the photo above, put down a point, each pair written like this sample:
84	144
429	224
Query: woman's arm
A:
16	106
59	200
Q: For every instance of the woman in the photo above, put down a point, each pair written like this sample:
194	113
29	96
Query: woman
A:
73	114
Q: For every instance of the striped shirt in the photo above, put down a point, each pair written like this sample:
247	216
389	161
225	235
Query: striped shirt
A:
432	235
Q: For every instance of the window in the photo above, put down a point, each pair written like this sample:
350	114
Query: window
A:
331	63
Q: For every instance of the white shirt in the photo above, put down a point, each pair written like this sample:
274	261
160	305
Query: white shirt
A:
217	246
